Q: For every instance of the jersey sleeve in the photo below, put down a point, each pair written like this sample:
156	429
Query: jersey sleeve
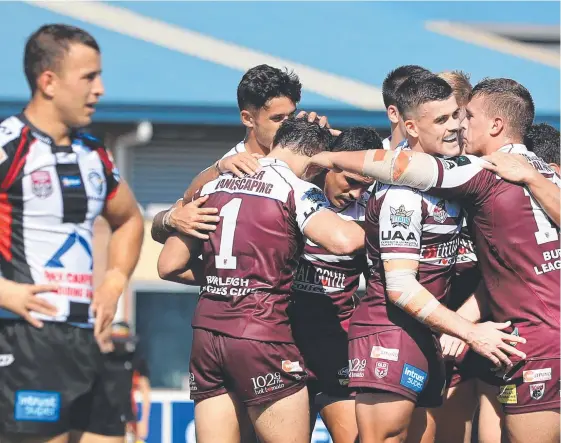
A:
401	221
462	178
309	200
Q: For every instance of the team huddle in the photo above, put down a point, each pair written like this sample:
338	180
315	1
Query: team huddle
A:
460	254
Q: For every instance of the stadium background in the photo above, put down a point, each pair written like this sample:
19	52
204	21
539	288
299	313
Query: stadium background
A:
176	65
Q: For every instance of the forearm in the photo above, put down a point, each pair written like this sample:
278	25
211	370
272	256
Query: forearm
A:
547	194
145	393
124	248
191	276
209	174
159	231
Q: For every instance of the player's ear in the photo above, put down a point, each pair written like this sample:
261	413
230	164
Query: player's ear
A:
46	83
393	114
555	167
411	128
247	118
497	126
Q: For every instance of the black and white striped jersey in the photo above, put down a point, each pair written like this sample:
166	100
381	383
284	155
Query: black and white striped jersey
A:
49	198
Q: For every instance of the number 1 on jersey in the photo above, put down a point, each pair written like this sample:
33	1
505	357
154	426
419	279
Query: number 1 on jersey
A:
229	214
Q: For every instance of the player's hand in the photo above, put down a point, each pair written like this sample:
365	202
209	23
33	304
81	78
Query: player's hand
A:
512	167
104	304
489	340
142	430
320	120
240	164
21	299
193	220
452	347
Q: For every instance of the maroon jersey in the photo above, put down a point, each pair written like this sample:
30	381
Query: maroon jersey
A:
325	284
402	223
467	274
517	245
250	259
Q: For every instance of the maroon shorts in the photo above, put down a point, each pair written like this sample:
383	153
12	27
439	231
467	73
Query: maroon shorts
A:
327	362
468	366
255	372
392	360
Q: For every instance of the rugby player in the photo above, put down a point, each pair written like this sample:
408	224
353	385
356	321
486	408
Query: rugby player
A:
243	353
389	94
266	97
543	140
395	361
324	297
54	181
517	247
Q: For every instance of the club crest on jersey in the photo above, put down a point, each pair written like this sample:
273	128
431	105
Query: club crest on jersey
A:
41	184
400	217
96	181
439	213
314	195
537	390
381	369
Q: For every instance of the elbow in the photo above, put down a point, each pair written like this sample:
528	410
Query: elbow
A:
167	269
344	244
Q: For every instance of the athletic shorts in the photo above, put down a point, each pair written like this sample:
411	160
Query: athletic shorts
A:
55	379
393	361
255	372
470	365
327	362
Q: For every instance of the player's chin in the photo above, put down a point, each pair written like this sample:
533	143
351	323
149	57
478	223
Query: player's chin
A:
451	148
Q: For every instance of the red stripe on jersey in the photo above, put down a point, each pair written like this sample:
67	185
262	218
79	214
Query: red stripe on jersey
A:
112	193
5	227
17	162
104	156
440	173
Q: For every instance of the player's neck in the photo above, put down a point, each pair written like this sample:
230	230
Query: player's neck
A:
396	136
41	115
253	146
297	163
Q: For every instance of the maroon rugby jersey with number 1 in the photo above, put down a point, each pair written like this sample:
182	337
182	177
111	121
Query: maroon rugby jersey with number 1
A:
249	261
517	245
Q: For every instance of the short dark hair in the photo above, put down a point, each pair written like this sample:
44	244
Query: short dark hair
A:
46	47
395	78
509	100
262	83
302	137
543	140
416	91
356	139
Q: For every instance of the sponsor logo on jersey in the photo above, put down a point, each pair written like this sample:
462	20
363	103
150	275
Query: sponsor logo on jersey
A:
6	360
291	366
507	395
41	184
96	181
536	375
400	217
413	378
357	367
381	369
315	196
192	385
3	156
41	406
71	181
439	213
537	390
385	353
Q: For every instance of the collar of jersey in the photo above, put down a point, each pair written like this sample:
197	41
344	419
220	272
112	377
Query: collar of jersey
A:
45	138
514	148
273	161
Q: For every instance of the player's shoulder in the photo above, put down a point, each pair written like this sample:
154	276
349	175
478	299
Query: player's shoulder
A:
11	131
240	147
462	160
